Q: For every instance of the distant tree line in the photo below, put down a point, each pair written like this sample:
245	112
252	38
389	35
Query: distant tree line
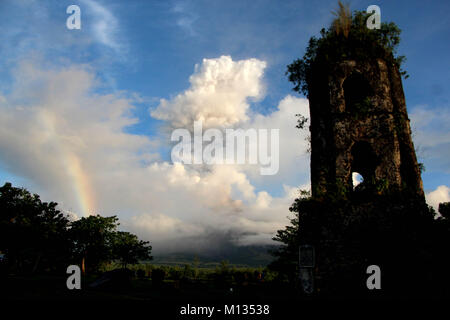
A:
37	237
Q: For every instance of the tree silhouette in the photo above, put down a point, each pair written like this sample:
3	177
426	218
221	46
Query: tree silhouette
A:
32	232
36	236
127	248
92	239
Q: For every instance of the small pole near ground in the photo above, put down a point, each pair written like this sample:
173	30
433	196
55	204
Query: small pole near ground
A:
306	267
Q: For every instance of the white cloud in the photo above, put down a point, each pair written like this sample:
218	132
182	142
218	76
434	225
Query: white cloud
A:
431	135
441	194
70	143
293	146
105	25
185	18
57	133
356	179
219	93
162	227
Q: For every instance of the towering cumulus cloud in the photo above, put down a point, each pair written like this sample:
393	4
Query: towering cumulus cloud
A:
70	143
218	96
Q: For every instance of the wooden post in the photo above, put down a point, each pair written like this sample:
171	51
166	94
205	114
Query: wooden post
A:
83	270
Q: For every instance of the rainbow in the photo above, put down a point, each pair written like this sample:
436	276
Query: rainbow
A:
82	186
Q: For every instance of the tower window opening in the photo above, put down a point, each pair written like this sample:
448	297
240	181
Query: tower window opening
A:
357	179
357	92
363	164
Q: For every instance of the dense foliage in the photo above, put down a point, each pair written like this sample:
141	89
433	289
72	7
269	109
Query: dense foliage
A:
33	234
397	232
36	237
128	249
356	43
92	239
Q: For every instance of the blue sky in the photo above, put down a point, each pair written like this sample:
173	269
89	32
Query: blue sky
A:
145	51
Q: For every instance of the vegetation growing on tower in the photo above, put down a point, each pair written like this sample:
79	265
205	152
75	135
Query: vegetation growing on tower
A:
348	38
359	124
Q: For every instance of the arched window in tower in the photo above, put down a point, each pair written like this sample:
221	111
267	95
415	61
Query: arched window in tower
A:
357	179
363	165
357	92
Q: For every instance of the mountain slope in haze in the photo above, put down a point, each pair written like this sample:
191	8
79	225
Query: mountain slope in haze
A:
242	256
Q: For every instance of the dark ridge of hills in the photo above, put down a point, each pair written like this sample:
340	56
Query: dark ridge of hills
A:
239	256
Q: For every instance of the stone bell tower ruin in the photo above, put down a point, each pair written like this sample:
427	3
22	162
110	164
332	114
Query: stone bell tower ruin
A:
359	123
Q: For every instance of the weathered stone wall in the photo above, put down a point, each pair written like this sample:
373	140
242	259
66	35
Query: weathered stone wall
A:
380	125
